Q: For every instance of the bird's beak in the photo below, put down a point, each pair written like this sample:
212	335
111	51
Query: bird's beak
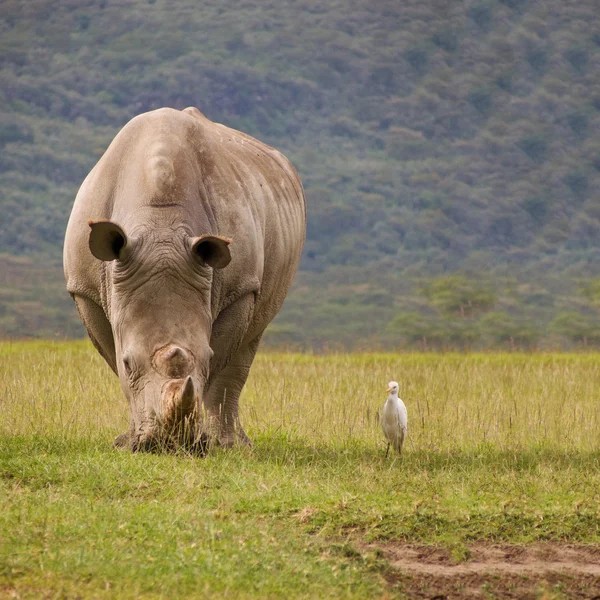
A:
389	390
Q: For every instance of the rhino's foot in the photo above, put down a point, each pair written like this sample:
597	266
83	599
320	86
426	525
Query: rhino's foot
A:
212	437
201	444
123	441
212	432
127	441
235	438
158	444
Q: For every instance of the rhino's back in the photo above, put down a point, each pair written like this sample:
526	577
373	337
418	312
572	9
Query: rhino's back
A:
248	177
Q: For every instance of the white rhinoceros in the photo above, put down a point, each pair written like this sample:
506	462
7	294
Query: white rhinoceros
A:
180	249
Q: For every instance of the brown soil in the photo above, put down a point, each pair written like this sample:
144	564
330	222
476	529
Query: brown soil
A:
542	571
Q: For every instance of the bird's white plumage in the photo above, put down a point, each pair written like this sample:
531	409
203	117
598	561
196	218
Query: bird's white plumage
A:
394	418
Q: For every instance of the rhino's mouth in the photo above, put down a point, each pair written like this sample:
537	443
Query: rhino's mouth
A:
168	419
160	441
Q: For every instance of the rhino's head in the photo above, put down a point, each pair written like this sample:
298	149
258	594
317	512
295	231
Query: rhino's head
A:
159	296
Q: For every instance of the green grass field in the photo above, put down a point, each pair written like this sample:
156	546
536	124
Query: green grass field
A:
502	448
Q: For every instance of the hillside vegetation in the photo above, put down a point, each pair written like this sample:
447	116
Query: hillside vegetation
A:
448	150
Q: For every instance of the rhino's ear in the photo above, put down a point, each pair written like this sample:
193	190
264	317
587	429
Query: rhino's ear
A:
107	240
212	250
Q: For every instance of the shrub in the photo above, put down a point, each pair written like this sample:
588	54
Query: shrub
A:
345	127
534	146
536	206
481	100
592	291
537	59
446	39
577	182
578	58
456	295
501	329
481	14
13	131
578	122
575	327
415	329
418	59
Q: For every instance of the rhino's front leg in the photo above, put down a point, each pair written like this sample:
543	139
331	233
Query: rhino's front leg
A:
221	401
98	328
100	333
230	367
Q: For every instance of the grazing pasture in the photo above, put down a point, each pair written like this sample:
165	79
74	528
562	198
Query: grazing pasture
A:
497	493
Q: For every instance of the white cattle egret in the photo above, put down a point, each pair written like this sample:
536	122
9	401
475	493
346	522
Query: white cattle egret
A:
394	419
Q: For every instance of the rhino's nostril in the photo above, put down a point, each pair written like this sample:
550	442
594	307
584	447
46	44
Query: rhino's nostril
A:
173	361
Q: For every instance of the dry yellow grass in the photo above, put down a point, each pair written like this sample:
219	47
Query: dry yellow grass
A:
455	401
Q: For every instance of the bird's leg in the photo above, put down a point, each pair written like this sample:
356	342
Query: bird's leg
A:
387	450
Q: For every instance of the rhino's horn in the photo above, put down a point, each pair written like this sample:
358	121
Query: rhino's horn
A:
187	395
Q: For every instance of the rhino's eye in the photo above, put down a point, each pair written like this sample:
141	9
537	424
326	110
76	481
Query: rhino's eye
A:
127	365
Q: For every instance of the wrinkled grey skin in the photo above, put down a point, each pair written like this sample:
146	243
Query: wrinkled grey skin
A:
180	249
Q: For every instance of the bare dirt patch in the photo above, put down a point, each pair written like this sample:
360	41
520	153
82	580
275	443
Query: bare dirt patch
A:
542	571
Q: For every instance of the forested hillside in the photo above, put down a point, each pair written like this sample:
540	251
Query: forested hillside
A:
450	153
